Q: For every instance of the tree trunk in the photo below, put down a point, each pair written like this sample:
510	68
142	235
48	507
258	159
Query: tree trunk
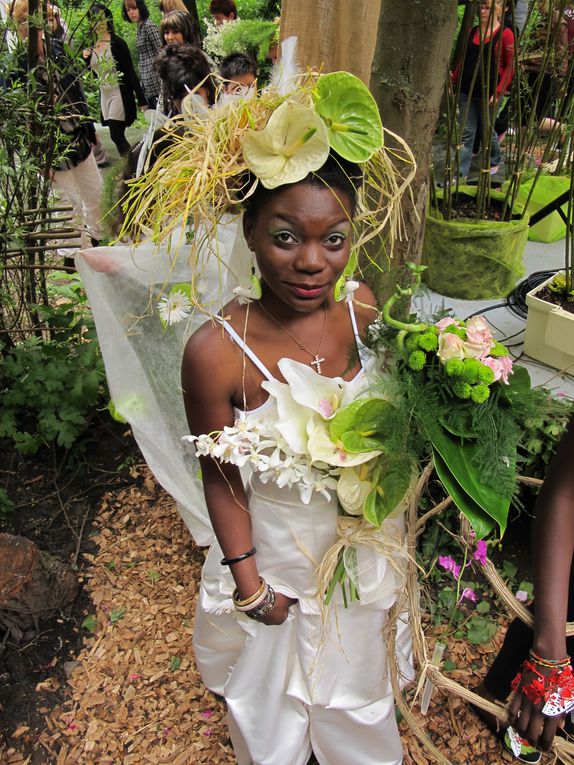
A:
33	585
411	59
333	35
191	6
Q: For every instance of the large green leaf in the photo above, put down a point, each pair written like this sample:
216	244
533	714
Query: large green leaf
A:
519	383
459	457
351	115
480	521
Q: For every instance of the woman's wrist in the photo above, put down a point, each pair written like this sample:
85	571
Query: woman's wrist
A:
246	577
550	646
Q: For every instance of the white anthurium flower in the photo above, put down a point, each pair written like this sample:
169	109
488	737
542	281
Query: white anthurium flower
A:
292	144
322	449
353	490
292	418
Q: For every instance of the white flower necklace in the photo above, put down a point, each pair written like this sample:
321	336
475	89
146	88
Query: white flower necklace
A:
317	360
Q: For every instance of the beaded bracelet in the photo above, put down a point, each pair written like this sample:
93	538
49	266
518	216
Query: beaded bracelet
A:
548	663
555	690
259	605
239	558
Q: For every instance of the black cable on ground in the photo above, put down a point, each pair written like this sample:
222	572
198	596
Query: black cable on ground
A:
516	300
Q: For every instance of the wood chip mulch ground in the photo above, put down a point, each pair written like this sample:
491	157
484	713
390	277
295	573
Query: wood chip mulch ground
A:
135	695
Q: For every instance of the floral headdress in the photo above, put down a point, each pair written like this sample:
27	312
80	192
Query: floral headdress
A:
217	157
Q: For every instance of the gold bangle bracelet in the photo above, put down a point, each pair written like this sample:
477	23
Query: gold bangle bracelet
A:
251	598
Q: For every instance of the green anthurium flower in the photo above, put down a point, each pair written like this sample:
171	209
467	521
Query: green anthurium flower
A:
351	115
292	144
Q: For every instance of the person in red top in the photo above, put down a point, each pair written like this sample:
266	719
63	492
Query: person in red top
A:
483	75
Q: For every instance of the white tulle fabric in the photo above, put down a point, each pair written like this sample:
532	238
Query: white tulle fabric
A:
143	359
309	683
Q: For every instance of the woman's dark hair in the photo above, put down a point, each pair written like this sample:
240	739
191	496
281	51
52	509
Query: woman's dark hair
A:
178	21
181	67
140	5
226	7
97	9
337	174
237	64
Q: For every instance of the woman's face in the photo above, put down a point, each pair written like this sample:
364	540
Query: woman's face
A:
489	10
101	25
133	12
171	36
301	237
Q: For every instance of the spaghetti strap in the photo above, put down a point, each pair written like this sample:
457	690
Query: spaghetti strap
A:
361	348
247	350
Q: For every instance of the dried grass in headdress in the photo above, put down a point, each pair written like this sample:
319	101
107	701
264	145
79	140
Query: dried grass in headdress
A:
202	174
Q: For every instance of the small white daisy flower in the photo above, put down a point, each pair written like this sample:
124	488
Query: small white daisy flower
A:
174	307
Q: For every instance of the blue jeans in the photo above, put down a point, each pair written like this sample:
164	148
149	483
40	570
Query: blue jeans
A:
471	118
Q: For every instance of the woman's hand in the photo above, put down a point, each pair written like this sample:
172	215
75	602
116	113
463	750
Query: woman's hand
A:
86	53
280	610
527	718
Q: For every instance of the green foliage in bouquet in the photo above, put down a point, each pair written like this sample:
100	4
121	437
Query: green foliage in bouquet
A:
469	404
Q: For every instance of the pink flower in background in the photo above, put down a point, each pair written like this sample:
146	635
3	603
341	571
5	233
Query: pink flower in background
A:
480	554
468	594
501	366
450	346
478	337
446	322
449	564
522	596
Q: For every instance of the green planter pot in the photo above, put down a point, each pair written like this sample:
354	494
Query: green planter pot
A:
547	188
473	260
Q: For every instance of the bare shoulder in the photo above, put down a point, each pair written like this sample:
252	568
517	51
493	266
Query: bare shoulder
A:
209	378
365	305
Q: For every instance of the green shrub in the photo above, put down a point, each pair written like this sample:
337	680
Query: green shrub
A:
49	388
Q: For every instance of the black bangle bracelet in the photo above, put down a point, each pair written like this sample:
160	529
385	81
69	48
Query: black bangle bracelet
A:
231	561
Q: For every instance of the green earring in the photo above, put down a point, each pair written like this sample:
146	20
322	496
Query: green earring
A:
252	292
340	291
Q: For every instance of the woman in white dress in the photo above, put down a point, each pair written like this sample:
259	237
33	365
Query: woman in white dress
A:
294	684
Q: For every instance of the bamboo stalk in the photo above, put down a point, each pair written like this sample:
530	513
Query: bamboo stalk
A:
45	221
25	250
60	233
49	210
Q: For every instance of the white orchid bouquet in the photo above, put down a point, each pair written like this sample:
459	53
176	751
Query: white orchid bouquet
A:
326	436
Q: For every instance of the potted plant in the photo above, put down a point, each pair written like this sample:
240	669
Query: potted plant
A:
476	231
550	321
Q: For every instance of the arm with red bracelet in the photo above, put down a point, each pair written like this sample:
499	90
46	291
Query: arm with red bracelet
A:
553	547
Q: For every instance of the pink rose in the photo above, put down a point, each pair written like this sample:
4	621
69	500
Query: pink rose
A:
500	365
478	337
446	322
450	346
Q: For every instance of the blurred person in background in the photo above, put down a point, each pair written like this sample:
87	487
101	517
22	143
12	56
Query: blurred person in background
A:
148	44
120	89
